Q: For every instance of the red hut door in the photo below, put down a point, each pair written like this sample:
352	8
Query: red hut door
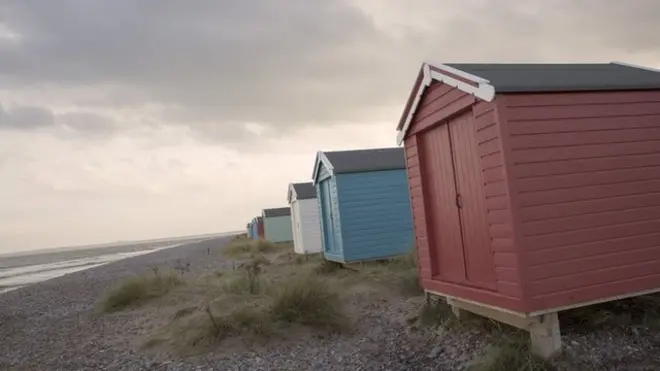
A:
458	228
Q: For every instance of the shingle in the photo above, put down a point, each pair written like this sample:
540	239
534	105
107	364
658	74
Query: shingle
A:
304	191
562	77
367	160
280	211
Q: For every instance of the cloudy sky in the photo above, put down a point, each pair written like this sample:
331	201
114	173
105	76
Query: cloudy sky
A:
130	119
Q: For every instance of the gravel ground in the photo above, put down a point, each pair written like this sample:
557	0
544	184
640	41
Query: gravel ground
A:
54	325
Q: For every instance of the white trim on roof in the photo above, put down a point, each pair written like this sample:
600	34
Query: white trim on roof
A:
291	194
637	66
321	158
484	90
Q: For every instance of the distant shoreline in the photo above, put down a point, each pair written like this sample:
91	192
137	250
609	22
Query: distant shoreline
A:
49	256
153	241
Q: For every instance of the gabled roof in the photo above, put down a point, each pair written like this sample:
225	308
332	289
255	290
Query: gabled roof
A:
301	191
361	160
484	80
280	211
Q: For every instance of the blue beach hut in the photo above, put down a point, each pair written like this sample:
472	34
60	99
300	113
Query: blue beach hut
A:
364	204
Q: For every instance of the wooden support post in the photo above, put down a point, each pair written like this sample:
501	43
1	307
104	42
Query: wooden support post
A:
458	312
545	336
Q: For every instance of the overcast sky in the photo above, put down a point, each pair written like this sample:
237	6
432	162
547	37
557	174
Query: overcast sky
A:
129	119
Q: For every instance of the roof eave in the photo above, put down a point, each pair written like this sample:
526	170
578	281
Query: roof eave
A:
445	74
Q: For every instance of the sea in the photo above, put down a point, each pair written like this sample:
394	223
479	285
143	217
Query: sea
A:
21	269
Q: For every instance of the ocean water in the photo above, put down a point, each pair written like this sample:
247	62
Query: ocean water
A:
20	269
12	278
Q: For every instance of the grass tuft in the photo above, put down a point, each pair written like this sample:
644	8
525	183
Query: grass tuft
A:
250	317
244	284
399	272
407	261
136	290
409	284
249	280
311	302
435	313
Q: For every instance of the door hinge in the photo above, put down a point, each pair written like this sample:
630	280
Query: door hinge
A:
459	201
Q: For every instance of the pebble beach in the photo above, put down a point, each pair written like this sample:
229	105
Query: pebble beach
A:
56	325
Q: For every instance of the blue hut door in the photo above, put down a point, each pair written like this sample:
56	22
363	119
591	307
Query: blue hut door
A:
328	225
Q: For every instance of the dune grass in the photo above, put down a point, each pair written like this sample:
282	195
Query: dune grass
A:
311	302
398	272
242	247
271	295
136	290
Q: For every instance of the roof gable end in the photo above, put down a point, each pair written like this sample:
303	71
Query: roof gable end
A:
321	160
291	193
467	82
484	80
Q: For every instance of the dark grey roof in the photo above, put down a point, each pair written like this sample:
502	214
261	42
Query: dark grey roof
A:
366	160
304	191
562	77
280	211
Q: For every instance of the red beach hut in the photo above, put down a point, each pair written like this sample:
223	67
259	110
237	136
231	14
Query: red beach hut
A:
534	187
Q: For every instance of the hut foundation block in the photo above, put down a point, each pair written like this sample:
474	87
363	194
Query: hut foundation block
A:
545	335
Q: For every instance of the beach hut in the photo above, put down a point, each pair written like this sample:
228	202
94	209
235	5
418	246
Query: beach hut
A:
364	205
253	225
257	228
306	226
260	227
249	230
534	187
277	224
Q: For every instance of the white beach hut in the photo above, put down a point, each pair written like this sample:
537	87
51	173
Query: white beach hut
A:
306	225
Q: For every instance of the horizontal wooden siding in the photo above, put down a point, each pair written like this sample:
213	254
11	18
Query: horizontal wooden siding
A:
586	168
375	214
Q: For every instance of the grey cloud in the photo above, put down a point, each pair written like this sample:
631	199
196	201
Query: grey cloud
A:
17	117
228	60
22	117
87	123
295	62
